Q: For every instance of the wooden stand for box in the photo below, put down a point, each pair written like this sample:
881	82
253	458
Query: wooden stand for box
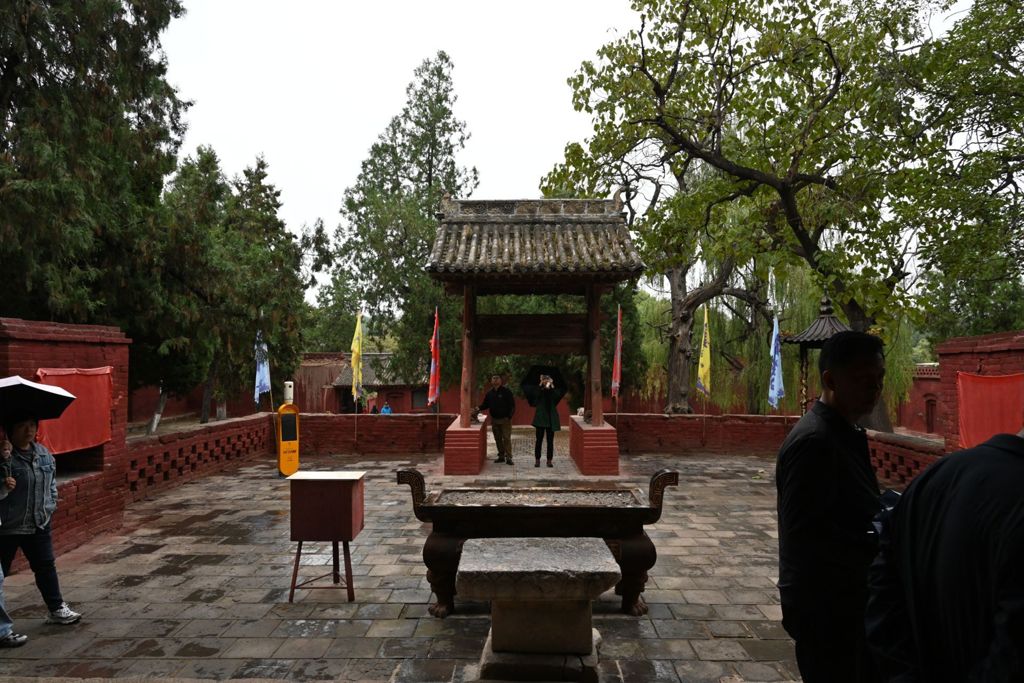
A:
326	506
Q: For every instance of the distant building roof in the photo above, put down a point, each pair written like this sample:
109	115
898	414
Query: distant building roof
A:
377	372
821	330
538	245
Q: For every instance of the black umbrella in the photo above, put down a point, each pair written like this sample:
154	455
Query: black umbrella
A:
20	398
530	383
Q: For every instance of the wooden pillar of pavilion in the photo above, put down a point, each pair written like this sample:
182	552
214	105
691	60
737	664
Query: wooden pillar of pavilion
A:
594	397
468	354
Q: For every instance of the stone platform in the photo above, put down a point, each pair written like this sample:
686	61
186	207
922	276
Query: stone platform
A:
540	590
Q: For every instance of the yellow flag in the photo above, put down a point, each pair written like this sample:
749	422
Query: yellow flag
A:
704	369
357	358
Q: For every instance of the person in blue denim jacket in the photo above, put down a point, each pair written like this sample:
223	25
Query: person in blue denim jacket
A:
25	513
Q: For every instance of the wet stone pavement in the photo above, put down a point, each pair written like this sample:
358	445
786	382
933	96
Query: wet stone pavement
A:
195	585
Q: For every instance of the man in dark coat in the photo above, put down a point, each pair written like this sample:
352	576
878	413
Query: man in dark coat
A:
947	590
501	404
827	497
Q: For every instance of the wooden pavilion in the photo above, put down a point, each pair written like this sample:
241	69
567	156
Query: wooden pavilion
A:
547	246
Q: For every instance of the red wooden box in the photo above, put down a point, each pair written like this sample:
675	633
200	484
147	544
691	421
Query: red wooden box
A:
326	506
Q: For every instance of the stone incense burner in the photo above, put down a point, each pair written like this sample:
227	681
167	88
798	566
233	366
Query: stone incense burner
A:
605	511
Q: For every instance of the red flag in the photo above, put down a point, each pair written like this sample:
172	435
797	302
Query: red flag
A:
434	390
617	362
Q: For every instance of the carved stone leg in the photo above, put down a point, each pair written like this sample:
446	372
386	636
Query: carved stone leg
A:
635	555
441	554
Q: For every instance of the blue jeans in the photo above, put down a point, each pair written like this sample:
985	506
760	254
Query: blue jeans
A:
38	550
5	620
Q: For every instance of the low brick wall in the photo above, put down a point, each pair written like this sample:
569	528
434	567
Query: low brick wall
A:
595	450
160	462
326	433
734	434
897	459
92	503
87	506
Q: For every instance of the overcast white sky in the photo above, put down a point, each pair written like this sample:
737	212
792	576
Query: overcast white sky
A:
310	84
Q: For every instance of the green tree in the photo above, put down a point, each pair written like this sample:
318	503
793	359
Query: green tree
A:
964	199
269	276
237	273
175	349
389	225
89	128
786	111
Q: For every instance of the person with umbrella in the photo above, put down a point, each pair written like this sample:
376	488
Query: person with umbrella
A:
544	388
29	493
8	638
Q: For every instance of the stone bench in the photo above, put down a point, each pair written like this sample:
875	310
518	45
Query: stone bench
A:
540	591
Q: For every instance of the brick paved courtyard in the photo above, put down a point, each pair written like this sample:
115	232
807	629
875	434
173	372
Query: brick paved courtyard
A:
195	586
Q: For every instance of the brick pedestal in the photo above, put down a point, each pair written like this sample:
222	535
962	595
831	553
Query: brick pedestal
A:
465	448
595	450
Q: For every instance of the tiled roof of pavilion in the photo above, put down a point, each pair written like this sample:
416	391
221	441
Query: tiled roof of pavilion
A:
821	330
541	240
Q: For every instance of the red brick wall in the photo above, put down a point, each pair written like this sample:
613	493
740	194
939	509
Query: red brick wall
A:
93	501
324	433
898	459
143	401
990	354
735	434
912	413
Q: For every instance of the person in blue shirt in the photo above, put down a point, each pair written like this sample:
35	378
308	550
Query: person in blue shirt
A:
386	410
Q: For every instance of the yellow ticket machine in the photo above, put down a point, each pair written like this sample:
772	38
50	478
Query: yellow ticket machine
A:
288	434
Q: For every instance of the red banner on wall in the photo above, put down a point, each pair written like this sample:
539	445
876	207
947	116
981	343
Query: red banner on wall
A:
86	422
989	405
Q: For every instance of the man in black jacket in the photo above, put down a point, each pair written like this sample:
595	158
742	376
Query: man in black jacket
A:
947	590
501	404
827	497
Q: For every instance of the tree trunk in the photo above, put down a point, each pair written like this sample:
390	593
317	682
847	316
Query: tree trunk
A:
204	413
679	343
154	422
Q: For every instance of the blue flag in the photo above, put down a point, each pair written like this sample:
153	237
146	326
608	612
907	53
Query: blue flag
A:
262	368
775	389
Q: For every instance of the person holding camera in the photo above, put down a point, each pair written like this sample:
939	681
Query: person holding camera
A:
545	419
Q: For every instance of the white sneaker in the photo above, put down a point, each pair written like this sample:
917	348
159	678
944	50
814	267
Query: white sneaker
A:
63	615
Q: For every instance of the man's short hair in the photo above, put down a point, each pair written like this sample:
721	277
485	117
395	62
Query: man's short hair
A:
495	374
846	348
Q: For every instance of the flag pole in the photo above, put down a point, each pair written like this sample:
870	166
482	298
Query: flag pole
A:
704	421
